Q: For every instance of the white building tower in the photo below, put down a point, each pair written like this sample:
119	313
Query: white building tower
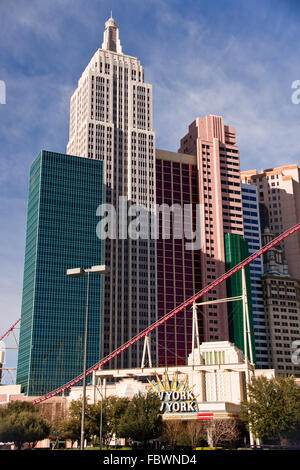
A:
111	120
111	41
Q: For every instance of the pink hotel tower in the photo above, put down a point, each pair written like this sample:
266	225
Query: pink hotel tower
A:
205	171
219	189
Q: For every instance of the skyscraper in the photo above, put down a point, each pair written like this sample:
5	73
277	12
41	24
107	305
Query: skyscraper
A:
111	120
64	193
218	171
282	308
279	198
279	206
252	233
178	265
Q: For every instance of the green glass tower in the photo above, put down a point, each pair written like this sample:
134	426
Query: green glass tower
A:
236	250
64	193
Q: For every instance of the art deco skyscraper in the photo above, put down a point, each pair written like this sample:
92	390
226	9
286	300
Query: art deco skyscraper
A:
111	120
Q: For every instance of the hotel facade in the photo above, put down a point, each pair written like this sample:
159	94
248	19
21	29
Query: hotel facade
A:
111	138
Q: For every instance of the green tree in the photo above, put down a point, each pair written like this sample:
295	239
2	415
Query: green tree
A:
71	427
142	419
20	423
18	406
113	409
93	418
21	427
272	410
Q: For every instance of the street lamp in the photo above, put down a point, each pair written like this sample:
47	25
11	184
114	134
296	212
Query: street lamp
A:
79	272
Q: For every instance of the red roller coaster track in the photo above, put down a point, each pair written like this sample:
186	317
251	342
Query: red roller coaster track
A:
13	326
171	314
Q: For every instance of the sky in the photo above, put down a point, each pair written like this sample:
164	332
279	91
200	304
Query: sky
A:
234	58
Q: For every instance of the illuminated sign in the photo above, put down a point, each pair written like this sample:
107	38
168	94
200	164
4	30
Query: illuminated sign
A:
175	396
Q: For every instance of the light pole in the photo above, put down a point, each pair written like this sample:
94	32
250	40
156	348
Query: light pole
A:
79	272
101	417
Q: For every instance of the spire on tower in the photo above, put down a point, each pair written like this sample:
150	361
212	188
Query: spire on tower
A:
111	41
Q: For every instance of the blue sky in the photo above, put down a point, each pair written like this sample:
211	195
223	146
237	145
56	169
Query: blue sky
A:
234	58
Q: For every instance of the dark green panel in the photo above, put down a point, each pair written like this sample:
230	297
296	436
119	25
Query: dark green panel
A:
236	250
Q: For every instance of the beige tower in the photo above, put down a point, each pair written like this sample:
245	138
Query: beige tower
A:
111	120
279	198
282	309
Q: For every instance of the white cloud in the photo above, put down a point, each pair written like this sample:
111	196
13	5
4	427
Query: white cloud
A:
248	91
